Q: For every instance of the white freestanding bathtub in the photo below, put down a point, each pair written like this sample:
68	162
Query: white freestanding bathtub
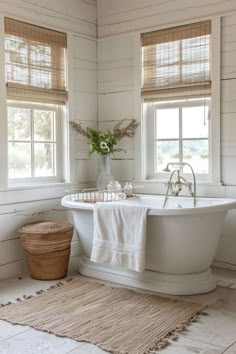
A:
180	248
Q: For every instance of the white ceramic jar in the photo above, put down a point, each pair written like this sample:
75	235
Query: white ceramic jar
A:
114	186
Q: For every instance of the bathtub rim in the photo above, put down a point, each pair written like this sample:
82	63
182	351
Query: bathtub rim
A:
225	204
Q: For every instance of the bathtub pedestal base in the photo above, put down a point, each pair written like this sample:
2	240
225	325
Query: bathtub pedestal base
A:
173	284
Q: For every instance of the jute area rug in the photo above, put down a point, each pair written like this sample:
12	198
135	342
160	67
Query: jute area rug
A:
117	320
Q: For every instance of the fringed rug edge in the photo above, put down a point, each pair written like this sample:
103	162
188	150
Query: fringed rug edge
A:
158	345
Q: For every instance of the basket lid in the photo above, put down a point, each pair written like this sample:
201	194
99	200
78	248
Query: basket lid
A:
46	227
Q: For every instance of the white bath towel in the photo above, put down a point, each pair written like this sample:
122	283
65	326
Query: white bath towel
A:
120	235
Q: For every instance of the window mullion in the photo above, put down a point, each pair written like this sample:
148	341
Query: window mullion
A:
180	61
56	148
32	143
29	65
154	147
3	116
180	135
183	139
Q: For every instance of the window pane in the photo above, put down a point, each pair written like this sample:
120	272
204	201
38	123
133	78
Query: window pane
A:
19	160
167	75
166	151
44	160
168	53
196	71
44	125
196	49
195	122
196	154
40	54
167	123
16	52
19	124
41	78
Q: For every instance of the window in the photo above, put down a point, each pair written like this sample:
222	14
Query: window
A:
35	61
179	131
177	98
33	135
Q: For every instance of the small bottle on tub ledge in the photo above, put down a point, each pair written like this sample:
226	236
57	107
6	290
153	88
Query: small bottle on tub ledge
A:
128	189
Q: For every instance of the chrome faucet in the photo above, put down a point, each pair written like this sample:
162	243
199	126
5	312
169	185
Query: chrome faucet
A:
176	187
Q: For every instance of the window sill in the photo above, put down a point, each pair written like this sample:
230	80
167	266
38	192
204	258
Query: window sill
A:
204	188
24	194
34	185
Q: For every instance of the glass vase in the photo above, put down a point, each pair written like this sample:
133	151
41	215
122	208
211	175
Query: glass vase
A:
105	175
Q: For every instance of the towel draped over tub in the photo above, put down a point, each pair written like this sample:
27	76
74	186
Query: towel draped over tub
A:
120	235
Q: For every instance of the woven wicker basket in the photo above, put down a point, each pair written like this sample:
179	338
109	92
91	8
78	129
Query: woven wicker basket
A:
47	247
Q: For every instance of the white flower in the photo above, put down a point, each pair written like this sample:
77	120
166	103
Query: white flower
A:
103	145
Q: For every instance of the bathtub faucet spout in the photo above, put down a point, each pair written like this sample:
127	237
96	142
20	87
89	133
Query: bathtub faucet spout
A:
176	187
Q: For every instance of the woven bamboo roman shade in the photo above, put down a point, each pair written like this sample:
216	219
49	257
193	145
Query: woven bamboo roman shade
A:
35	63
176	62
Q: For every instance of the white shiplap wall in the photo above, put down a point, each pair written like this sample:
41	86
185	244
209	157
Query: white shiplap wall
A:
17	207
118	97
119	26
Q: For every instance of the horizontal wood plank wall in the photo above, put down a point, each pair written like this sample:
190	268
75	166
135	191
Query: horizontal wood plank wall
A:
84	105
116	85
119	25
15	215
78	18
116	17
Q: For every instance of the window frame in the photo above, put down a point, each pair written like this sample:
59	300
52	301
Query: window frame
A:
40	190
150	123
30	181
140	149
